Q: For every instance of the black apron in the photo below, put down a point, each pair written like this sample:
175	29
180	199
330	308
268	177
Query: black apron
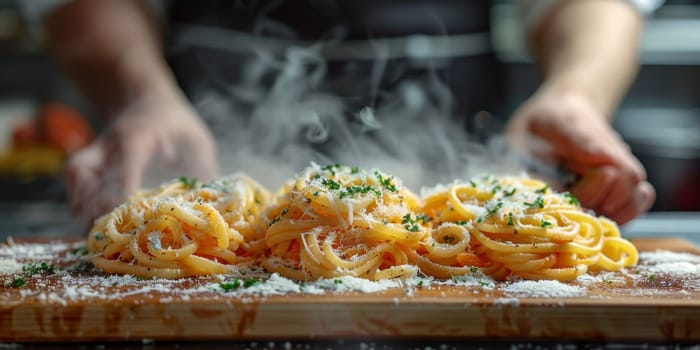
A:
368	50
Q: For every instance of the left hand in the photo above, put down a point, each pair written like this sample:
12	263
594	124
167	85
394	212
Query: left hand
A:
564	128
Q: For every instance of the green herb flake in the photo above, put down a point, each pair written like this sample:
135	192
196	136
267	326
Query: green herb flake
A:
538	203
409	223
229	286
279	217
652	277
98	236
423	218
572	200
543	190
18	282
189	182
471	182
354	170
474	269
249	282
510	219
80	251
331	168
545	224
463	222
495	189
385	182
337	281
493	210
509	193
353	190
330	184
35	269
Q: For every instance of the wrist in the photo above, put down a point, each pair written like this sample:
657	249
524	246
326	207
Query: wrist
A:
577	87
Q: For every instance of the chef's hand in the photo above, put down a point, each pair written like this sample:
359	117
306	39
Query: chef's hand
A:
147	132
563	128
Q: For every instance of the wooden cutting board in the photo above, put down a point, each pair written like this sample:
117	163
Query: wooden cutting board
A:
654	307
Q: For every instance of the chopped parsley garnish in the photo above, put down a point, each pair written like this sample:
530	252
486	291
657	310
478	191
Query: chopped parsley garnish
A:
652	277
229	286
98	236
495	189
354	170
35	269
410	224
249	282
18	282
329	168
545	224
543	190
235	284
282	213
385	182
463	222
572	200
353	190
509	193
423	218
510	219
337	281
471	182
490	211
420	283
330	184
474	269
315	194
495	209
189	182
538	203
82	250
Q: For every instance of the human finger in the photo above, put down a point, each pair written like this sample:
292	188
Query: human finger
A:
594	186
643	199
82	176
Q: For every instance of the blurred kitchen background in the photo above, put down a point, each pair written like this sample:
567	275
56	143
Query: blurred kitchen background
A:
660	117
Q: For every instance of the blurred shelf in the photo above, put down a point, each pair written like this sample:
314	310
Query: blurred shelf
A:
671	36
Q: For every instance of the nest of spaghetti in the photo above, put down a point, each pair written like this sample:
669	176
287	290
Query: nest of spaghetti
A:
183	228
343	221
520	227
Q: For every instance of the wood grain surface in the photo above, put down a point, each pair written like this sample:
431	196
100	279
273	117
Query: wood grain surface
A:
660	309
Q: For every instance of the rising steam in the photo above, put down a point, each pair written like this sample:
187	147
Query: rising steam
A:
280	115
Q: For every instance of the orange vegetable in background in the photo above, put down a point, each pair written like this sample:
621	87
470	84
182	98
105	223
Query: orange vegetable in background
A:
25	135
63	127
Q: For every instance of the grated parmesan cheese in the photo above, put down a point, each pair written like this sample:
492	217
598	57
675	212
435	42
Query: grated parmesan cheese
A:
542	289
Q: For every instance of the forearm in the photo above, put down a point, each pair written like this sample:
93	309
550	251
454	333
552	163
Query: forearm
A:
112	50
589	47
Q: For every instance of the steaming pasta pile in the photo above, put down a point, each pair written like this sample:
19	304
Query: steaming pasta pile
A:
343	221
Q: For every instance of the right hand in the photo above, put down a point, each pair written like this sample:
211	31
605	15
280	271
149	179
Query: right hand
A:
564	129
147	132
